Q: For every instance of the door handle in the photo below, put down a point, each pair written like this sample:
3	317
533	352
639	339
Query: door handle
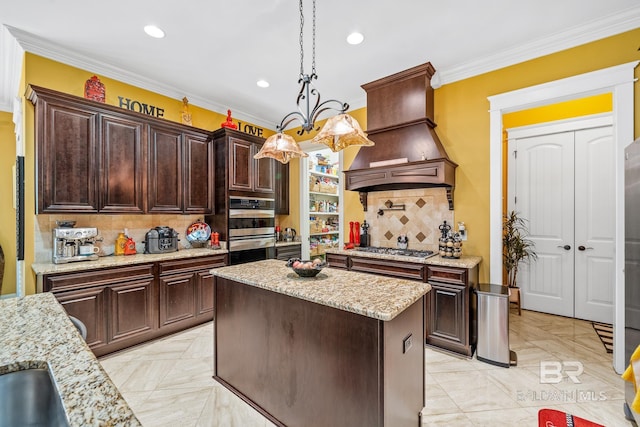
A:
582	248
565	247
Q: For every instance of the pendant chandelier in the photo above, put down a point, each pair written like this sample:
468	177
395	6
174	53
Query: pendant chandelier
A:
339	132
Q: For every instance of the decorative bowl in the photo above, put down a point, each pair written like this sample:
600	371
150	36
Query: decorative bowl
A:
311	270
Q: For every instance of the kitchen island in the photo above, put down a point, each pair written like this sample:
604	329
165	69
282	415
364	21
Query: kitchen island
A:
37	333
341	349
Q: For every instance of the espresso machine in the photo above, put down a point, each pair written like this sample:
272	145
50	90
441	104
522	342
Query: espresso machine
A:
69	244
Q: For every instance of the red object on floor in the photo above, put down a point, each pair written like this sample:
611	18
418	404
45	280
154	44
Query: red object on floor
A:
554	418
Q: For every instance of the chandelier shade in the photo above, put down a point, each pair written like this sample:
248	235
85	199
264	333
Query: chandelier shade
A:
281	147
340	132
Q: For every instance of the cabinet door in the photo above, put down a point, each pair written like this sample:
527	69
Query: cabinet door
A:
88	305
240	165
447	317
132	311
281	188
177	298
122	165
66	158
205	290
263	173
165	170
198	167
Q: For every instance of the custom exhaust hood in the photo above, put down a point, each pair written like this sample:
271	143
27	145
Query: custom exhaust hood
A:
408	153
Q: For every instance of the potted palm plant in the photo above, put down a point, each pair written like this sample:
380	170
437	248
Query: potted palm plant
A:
516	247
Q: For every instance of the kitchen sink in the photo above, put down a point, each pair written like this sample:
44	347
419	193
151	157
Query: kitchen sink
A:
30	398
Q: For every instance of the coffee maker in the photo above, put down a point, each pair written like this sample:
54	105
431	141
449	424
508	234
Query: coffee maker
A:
67	243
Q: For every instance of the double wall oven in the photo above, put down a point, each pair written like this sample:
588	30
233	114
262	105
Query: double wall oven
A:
251	229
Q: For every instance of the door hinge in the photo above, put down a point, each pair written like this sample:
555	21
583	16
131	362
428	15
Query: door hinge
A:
515	200
515	154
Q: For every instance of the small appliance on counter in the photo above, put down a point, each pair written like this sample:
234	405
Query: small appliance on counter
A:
160	240
74	244
450	243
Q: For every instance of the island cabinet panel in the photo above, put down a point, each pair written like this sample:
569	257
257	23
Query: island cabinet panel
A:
66	149
452	309
122	164
306	364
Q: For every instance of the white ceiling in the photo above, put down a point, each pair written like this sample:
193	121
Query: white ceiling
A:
215	51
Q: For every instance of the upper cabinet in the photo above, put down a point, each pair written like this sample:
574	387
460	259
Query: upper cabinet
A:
236	169
67	151
122	164
93	157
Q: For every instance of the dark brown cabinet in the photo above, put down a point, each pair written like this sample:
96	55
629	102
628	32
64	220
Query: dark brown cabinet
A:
66	150
451	308
237	171
282	188
165	170
115	304
124	306
288	251
122	164
93	157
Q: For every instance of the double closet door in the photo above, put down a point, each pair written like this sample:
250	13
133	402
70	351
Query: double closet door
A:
561	180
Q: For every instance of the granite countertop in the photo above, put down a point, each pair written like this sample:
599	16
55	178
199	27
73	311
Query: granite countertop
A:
465	261
36	331
117	261
370	295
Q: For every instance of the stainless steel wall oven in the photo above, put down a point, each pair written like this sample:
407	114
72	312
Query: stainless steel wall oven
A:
251	229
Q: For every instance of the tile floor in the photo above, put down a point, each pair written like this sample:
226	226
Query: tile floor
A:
168	382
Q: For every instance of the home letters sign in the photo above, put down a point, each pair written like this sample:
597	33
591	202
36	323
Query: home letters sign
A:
140	107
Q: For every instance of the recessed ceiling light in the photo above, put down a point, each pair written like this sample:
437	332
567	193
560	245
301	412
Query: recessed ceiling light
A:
262	83
355	38
154	31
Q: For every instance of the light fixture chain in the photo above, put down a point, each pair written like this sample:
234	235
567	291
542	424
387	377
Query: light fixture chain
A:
313	52
301	41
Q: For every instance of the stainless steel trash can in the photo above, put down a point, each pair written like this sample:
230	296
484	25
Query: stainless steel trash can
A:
493	325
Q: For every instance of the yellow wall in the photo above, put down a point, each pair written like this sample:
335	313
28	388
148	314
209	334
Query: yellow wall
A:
463	121
7	213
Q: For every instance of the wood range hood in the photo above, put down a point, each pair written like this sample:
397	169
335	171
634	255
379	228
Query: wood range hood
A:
407	153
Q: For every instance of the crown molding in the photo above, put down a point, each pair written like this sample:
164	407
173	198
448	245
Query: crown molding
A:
39	46
11	54
607	26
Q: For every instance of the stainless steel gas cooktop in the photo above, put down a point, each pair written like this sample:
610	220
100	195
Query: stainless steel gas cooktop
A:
394	251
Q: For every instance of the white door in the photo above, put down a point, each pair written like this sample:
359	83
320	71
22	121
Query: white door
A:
561	181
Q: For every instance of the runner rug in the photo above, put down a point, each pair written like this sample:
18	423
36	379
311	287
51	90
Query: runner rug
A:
605	333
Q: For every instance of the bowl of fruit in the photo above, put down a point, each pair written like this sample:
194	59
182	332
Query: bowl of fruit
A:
306	268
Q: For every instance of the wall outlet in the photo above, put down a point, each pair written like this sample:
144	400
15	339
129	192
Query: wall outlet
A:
406	344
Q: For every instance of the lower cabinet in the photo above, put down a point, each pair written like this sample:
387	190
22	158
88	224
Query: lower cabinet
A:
288	251
451	308
125	306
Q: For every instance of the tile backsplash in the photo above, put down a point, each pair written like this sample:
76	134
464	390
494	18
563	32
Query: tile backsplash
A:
108	227
425	210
